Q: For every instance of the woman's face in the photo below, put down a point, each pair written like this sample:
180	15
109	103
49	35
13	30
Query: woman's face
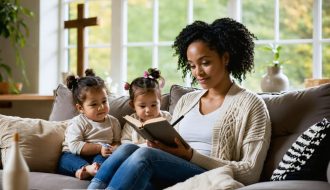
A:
207	66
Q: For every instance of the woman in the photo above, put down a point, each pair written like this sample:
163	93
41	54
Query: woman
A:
224	124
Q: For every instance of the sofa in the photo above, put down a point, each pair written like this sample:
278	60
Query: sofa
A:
291	113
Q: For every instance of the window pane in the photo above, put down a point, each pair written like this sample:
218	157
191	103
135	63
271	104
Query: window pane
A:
172	18
261	26
72	60
140	18
326	19
99	60
262	59
139	59
101	33
209	10
296	62
296	19
168	67
326	61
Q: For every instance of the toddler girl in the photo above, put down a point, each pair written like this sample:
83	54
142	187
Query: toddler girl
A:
92	135
145	97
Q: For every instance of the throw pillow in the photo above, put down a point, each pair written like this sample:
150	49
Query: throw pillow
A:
40	141
63	107
308	157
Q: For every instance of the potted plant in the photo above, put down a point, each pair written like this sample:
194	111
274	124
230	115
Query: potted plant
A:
14	28
274	80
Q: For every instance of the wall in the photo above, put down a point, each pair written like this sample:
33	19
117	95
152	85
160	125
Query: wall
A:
41	55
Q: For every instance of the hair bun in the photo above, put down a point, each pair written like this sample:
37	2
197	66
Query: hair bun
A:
154	73
89	72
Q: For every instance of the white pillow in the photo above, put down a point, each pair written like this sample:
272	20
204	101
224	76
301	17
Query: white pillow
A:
40	141
219	178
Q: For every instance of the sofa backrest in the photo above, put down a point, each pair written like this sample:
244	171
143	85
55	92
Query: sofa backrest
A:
63	108
292	113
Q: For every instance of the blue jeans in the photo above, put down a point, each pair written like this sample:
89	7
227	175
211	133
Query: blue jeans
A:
69	163
132	167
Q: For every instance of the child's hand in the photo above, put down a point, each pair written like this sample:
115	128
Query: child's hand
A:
106	150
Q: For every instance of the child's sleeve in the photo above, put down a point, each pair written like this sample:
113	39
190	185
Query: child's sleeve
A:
74	136
116	129
166	115
126	134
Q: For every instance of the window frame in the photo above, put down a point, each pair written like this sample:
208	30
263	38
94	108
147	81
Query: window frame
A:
119	44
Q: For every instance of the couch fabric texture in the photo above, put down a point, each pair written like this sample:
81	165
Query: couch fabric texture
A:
291	114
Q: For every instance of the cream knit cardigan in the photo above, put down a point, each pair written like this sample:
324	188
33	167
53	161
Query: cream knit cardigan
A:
241	134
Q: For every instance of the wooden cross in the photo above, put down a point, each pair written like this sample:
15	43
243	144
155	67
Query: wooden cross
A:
80	23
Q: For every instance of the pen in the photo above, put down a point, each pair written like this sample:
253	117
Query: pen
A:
178	120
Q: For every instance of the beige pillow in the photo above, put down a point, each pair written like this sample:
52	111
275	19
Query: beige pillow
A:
40	141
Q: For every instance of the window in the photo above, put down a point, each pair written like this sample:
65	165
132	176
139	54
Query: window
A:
145	30
295	25
96	38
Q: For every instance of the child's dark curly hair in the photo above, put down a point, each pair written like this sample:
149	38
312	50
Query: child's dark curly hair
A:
147	83
223	35
79	86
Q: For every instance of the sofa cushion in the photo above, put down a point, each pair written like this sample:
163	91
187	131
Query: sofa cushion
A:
176	92
40	141
288	185
308	157
50	181
292	113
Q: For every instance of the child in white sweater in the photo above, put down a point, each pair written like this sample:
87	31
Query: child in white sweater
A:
145	96
92	135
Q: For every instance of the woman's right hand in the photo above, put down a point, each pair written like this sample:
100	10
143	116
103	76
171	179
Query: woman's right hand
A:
180	151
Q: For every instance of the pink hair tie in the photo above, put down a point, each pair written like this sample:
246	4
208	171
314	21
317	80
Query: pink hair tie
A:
161	82
126	86
147	75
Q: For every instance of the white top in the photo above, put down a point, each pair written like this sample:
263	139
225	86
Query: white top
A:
240	134
82	130
196	129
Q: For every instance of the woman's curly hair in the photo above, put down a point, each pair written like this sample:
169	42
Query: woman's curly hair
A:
223	35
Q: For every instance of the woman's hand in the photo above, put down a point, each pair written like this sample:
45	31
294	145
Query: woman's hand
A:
180	150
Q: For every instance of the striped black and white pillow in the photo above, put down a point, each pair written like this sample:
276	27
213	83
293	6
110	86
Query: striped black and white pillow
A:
308	157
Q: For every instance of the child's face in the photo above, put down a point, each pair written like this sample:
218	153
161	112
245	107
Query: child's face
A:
96	105
147	106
